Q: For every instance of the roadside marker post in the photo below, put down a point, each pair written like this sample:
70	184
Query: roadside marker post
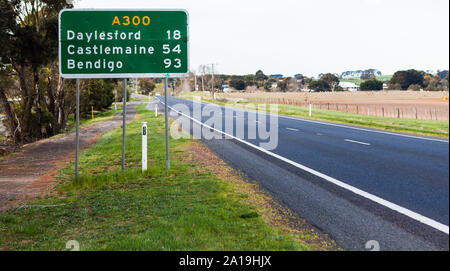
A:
144	146
310	109
92	112
156	110
156	45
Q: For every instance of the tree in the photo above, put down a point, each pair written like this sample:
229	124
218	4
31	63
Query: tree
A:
250	80
406	78
331	79
368	74
319	85
291	84
283	85
29	45
6	84
147	86
98	93
260	76
434	83
237	84
372	84
267	85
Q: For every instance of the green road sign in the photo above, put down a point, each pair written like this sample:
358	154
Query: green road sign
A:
123	43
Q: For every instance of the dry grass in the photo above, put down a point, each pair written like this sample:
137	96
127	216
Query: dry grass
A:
424	105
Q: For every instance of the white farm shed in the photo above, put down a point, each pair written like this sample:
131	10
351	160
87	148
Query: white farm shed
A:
349	86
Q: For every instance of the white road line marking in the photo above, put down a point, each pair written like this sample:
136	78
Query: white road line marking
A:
342	126
416	216
367	130
292	129
357	142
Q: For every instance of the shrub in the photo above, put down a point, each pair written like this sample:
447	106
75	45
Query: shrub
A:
414	87
319	85
237	84
372	84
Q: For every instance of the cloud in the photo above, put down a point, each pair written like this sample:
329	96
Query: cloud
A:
373	3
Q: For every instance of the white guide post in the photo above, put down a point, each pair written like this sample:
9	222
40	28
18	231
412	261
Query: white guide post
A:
144	146
310	109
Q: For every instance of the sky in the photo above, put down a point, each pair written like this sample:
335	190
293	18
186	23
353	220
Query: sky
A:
309	36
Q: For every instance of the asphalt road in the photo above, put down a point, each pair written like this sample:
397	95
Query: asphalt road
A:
396	170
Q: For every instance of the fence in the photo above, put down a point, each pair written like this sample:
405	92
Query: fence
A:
405	111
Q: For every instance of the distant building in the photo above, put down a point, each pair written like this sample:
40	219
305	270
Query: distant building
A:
276	76
349	86
226	88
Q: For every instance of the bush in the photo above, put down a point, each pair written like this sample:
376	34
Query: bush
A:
414	87
394	86
237	84
319	85
407	78
98	93
267	86
338	88
147	86
372	84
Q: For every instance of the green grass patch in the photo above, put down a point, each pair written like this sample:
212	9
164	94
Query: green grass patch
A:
411	126
186	208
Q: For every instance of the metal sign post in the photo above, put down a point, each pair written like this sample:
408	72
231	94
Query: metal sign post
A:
124	124
167	123
77	136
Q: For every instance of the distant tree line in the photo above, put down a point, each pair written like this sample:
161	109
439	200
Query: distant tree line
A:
417	80
401	80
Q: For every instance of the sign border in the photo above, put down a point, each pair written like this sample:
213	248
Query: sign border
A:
122	75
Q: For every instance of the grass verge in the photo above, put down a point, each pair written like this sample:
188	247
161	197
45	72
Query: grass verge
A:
188	208
411	126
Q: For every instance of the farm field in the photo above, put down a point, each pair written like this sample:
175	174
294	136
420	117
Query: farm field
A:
396	104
